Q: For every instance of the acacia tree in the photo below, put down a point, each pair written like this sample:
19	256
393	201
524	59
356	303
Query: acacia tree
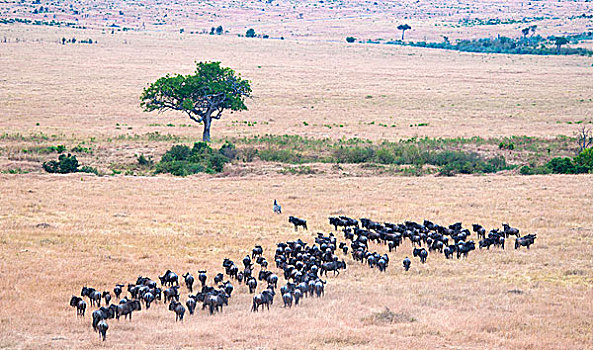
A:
403	28
203	96
559	41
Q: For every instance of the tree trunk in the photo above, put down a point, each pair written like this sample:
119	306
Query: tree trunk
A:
207	122
403	32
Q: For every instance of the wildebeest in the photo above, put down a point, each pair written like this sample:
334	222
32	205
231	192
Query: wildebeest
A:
407	263
168	278
102	327
287	298
463	248
297	222
421	253
479	230
148	299
117	290
214	301
178	309
93	295
297	296
171	293
191	305
252	284
508	230
79	304
202	277
334	266
525	241
189	281
265	298
101	314
107	296
257	251
125	309
277	208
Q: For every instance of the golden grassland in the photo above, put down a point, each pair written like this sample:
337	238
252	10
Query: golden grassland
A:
339	90
104	230
108	230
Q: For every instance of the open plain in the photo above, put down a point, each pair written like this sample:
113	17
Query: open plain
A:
61	232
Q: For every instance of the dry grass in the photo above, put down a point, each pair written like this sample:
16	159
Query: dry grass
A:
375	92
58	233
107	230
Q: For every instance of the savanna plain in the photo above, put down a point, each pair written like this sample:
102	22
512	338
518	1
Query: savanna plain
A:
61	232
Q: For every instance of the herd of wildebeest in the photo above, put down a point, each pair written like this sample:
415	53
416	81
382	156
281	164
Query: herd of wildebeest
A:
303	265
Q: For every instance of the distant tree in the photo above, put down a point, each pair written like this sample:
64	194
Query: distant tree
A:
63	41
73	40
350	39
533	28
403	28
559	41
584	139
203	96
219	30
525	31
250	33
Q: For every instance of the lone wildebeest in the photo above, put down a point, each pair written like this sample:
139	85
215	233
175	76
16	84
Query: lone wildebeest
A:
277	208
79	304
525	241
407	263
297	222
189	281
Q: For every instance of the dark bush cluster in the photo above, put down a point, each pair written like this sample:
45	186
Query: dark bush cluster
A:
581	164
181	160
67	164
532	45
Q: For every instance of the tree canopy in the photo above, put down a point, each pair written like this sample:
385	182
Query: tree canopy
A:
203	96
403	28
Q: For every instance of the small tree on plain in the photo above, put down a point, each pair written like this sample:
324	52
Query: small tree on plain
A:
203	96
219	30
559	41
250	33
403	28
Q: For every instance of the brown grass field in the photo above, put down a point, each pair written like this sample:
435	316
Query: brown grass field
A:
105	230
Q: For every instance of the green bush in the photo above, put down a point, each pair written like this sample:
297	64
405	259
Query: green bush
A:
89	169
279	155
181	160
350	39
585	159
561	165
354	154
64	165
